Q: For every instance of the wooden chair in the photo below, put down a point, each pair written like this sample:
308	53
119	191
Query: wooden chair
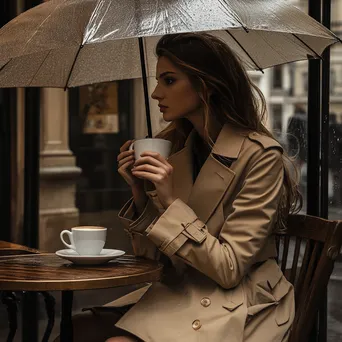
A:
314	244
10	298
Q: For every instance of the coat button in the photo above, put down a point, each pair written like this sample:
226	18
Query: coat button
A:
196	324
205	302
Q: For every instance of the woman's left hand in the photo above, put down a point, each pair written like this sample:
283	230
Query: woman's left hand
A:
155	168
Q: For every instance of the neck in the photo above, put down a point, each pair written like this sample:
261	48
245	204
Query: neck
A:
214	127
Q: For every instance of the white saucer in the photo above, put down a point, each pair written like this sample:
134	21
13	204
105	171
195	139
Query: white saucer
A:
105	256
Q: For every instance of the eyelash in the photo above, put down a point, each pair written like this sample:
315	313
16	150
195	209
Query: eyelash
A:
168	79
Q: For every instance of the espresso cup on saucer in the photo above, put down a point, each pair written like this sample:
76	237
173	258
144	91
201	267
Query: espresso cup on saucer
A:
161	146
85	240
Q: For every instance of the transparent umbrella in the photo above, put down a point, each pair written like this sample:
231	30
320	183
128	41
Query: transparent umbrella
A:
69	43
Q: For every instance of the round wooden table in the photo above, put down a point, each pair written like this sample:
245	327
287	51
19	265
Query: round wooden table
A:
47	272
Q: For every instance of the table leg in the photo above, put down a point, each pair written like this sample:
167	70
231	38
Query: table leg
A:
10	300
30	317
50	310
66	322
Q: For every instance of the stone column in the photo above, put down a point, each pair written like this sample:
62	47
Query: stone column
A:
58	172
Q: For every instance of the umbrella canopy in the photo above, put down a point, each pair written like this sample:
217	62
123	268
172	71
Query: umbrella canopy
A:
68	43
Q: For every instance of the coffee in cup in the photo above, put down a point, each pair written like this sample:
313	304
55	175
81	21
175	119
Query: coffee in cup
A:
86	240
161	146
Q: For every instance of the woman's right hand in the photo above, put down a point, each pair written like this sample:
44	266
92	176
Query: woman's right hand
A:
126	160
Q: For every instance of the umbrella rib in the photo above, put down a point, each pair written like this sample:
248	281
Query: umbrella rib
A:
40	67
338	38
246	52
236	17
3	67
307	46
242	25
72	67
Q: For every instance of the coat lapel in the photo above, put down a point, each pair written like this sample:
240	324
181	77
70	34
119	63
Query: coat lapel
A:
211	184
215	175
183	170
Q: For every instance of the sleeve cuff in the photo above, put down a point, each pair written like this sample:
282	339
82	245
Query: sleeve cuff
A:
139	225
127	213
177	224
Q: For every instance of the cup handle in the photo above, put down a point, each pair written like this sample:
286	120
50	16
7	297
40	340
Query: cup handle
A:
72	245
131	146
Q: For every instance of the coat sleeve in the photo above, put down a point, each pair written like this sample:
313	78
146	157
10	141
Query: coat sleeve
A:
135	226
226	258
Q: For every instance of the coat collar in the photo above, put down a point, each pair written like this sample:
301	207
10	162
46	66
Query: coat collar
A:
228	143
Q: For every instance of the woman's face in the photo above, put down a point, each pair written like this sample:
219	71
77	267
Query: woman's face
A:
176	95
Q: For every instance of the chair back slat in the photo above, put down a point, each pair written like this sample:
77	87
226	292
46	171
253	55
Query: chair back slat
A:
294	267
299	285
286	244
310	269
306	255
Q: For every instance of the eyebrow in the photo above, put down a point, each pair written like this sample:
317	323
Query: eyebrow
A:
164	74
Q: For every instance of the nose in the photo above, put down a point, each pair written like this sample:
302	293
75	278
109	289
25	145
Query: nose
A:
157	93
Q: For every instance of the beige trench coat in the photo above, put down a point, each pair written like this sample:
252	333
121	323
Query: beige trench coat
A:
224	284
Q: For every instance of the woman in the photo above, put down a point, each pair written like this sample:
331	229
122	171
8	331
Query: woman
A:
209	212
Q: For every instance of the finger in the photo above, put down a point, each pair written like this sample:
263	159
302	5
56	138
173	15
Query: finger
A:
149	160
155	162
125	154
157	156
147	175
150	168
125	160
125	166
126	145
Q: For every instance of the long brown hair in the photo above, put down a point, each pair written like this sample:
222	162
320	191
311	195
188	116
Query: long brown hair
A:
227	93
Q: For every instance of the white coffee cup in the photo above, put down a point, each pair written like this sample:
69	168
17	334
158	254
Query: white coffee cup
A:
86	240
161	146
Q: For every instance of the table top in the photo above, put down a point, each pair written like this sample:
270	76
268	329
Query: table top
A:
48	272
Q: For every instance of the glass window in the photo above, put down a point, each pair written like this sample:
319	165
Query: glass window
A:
277	117
277	80
99	125
335	167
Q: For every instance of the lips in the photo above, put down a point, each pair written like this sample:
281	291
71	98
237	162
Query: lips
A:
162	108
